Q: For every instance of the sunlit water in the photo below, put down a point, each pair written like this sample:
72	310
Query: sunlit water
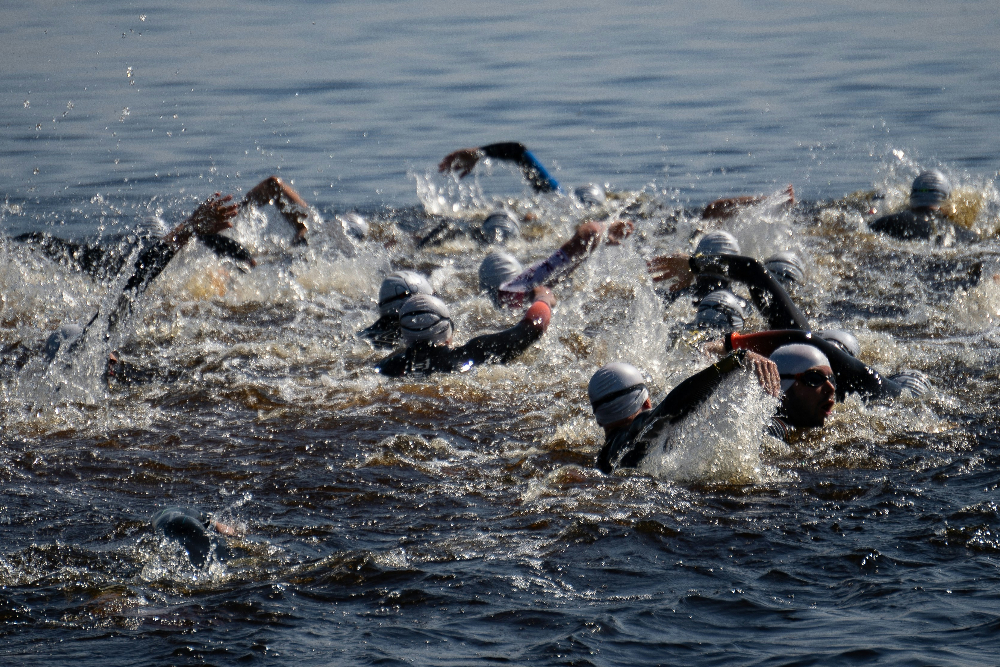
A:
459	519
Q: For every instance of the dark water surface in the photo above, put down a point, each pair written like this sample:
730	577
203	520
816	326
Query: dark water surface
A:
459	520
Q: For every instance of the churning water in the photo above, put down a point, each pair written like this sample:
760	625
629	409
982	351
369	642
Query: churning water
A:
458	519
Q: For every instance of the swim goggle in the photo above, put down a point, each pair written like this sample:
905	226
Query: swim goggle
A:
617	394
812	378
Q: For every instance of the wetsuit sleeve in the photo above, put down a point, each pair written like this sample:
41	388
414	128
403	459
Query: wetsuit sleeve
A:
506	345
628	447
852	375
768	296
533	171
516	291
148	266
393	366
223	246
384	333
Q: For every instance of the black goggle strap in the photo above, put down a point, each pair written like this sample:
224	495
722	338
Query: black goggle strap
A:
812	378
617	394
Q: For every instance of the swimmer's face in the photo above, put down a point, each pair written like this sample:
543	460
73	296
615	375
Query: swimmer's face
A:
808	406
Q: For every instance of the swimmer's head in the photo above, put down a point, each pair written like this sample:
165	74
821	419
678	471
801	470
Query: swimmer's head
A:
500	227
717	243
786	266
845	340
496	269
930	190
591	194
67	334
720	309
425	319
354	225
808	385
398	287
617	391
914	381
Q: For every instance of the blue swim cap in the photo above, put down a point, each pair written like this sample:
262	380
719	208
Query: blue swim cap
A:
425	318
617	391
718	243
930	188
720	309
591	194
786	266
496	269
399	286
501	226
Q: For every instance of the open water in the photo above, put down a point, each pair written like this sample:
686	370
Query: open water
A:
459	520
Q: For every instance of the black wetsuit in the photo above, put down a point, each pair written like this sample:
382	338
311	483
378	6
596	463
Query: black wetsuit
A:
767	294
385	333
925	225
531	168
495	348
625	447
853	376
191	529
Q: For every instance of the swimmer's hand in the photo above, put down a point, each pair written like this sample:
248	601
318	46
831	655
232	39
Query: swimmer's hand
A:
767	373
714	348
543	294
672	267
225	529
619	230
214	215
461	161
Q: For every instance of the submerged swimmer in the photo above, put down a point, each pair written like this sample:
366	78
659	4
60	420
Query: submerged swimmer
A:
427	332
195	531
925	218
621	404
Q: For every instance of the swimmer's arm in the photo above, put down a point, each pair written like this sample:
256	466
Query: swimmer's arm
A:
768	296
464	160
506	345
726	208
293	208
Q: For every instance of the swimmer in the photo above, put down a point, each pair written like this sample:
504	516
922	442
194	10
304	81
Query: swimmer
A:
925	219
463	161
723	209
194	531
507	283
427	332
385	333
621	404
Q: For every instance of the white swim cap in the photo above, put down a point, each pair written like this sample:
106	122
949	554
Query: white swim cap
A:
796	358
425	318
496	269
500	226
913	380
398	287
930	188
354	225
718	243
720	309
591	194
786	266
617	391
845	340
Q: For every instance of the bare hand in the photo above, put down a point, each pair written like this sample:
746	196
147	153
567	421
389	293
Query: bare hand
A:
619	230
672	267
767	373
213	215
545	295
461	161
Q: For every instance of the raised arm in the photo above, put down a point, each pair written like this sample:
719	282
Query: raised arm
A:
464	160
293	208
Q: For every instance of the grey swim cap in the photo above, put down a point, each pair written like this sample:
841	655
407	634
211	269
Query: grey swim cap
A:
591	194
796	358
617	391
930	188
786	266
398	287
496	269
501	226
845	340
67	334
718	243
915	381
425	318
354	225
720	309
